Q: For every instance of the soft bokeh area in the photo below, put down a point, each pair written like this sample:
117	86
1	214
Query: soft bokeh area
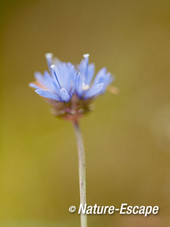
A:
127	136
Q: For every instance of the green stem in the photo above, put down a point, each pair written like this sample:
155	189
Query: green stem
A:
82	170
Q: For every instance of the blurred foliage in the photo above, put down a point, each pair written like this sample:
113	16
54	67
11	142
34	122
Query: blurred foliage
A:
127	135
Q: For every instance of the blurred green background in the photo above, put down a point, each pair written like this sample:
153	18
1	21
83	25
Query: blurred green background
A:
127	137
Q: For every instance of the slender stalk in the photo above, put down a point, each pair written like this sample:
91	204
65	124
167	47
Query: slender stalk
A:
82	170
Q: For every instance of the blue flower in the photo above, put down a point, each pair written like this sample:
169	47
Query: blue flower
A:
70	88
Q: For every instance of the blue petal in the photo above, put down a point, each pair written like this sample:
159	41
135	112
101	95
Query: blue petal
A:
64	95
48	81
47	76
107	79
90	74
55	76
103	77
38	76
79	84
65	73
47	94
34	86
83	67
69	78
100	75
96	89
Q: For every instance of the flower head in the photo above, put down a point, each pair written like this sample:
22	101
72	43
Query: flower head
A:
70	88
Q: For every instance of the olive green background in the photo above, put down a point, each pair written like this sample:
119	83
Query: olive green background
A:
127	136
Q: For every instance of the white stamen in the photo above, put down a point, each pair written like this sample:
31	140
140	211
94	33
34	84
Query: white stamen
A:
52	66
86	55
85	86
48	55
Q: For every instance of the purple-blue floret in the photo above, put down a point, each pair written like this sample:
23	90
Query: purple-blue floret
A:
64	80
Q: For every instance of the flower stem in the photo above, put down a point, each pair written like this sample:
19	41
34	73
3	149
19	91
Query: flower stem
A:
82	170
